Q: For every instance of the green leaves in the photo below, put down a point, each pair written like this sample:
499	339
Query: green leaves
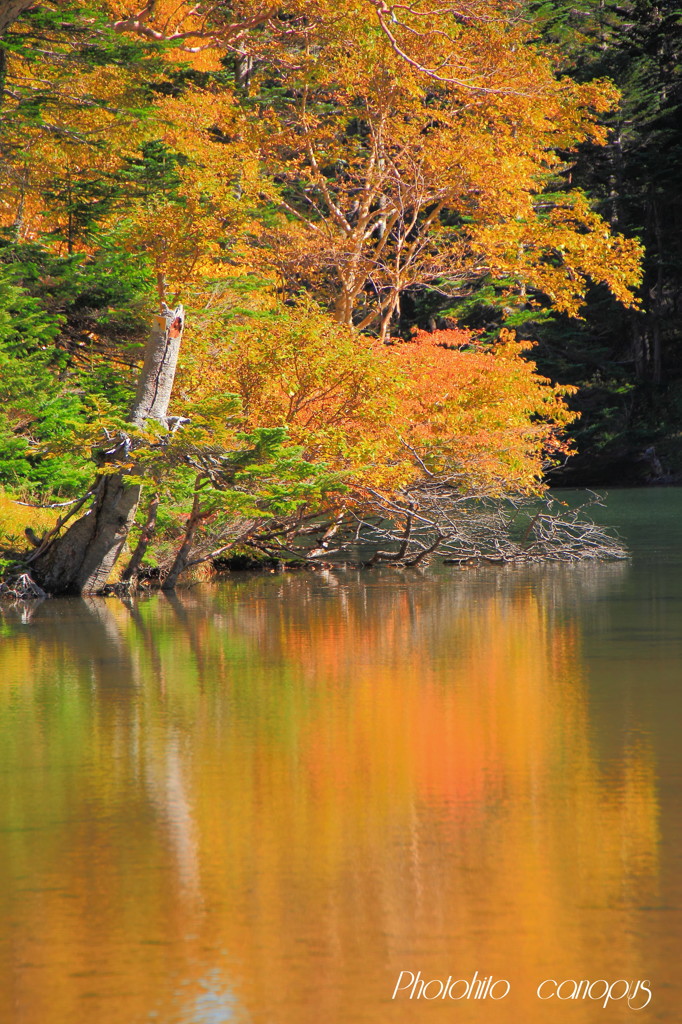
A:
52	384
275	477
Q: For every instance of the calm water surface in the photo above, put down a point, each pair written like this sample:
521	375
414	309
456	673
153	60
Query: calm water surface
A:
262	801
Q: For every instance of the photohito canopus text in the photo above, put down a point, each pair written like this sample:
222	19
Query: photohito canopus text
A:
635	994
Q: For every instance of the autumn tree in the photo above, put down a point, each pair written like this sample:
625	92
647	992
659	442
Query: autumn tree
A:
361	156
409	146
392	176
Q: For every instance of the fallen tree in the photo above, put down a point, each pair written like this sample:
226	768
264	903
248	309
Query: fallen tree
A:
432	521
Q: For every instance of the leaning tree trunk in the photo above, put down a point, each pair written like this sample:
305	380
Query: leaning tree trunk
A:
80	560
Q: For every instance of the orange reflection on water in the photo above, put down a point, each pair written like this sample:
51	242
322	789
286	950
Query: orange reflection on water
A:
265	801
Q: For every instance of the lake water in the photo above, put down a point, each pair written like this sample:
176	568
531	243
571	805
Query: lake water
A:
264	800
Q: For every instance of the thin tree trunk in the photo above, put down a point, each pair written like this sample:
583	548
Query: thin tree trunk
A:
3	72
185	550
140	551
80	561
243	68
18	224
388	313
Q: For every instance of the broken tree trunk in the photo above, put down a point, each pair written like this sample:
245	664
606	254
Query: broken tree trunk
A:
80	560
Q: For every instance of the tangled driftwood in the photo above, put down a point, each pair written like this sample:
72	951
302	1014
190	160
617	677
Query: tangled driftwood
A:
22	588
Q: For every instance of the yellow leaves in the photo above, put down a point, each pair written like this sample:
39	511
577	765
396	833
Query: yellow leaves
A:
183	232
302	370
581	103
560	248
169	236
405	156
83	128
373	411
399	152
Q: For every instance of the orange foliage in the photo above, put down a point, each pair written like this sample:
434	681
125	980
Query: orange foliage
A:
385	415
484	414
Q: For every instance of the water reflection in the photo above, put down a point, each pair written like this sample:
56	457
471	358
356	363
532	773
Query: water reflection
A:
264	801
